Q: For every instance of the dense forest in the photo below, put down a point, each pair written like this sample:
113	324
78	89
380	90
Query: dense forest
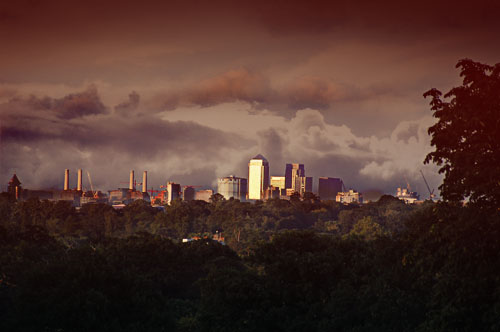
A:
297	265
287	266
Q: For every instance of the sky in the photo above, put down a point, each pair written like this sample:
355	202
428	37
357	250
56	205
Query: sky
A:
191	90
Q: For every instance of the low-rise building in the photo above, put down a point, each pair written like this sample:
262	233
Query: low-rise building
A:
350	196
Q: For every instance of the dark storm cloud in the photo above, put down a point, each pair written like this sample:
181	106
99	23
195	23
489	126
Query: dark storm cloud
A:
35	137
72	106
132	134
79	104
130	105
273	146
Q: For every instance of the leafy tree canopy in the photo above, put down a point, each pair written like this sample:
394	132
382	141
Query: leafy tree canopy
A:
467	135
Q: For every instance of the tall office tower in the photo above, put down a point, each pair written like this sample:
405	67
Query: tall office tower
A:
258	177
292	172
329	187
303	184
307	184
173	192
232	186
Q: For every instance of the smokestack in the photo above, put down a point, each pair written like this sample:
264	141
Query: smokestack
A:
145	181
79	183
66	179
131	185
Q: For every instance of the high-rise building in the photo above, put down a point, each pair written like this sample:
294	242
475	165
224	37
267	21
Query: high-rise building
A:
173	192
258	177
272	192
232	187
329	187
296	180
292	171
305	185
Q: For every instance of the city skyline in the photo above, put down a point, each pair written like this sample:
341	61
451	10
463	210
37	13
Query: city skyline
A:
188	91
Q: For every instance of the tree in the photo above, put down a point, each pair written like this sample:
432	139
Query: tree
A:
467	135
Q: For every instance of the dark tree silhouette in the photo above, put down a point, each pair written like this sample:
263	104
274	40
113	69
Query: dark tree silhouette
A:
467	135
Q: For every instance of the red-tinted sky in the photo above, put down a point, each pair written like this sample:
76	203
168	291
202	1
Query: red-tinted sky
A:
190	90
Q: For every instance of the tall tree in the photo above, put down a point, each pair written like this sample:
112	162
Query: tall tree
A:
467	135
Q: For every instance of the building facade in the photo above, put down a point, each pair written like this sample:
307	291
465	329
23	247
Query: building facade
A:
203	195
232	187
350	196
279	182
258	177
329	187
188	193
173	192
292	172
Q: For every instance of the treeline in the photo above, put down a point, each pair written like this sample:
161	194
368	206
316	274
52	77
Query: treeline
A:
333	268
242	224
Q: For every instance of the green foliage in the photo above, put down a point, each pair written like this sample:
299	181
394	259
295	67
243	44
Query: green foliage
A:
288	266
467	135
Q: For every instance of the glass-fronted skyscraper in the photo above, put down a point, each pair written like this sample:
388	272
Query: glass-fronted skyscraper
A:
232	187
328	188
258	177
292	172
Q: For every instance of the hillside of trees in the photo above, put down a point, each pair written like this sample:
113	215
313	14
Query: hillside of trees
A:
311	266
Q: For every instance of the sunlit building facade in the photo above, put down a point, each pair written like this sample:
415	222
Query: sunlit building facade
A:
279	182
303	185
296	180
350	196
203	195
258	177
292	171
232	187
173	192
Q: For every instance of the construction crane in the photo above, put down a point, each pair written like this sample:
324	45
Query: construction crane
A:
431	192
94	193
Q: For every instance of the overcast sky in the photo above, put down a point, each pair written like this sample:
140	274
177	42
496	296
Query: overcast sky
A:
191	90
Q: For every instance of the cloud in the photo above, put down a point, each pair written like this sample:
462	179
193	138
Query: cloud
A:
130	105
234	85
78	104
256	90
363	162
37	142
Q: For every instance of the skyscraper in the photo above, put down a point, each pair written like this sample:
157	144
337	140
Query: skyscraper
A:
296	180
329	187
292	171
232	186
258	177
